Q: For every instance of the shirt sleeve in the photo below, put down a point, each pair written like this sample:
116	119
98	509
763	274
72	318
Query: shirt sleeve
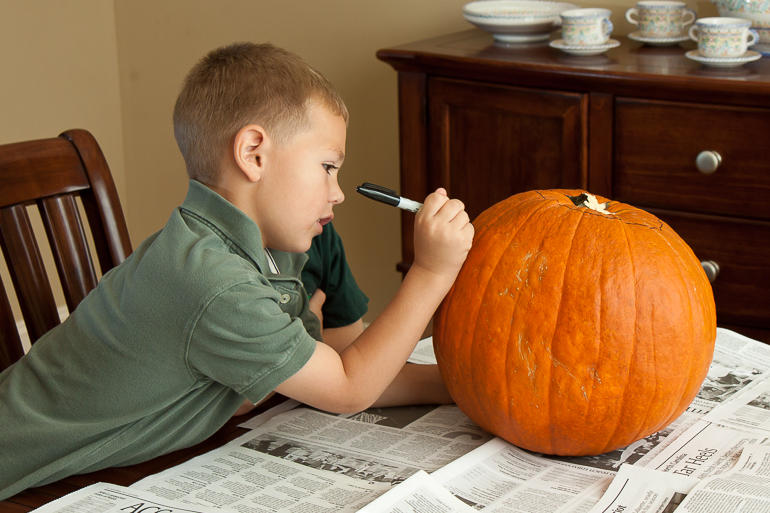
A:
328	270
244	340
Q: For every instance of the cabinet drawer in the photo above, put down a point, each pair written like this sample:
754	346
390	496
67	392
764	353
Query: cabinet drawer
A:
742	250
656	144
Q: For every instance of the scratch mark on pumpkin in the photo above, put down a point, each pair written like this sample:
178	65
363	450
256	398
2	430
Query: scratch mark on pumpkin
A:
557	363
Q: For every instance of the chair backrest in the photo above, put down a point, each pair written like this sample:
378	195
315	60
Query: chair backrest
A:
50	174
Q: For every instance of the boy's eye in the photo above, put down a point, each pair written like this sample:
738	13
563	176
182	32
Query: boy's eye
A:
329	167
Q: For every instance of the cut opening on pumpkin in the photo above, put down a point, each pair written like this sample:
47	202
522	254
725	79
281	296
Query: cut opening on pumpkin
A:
589	201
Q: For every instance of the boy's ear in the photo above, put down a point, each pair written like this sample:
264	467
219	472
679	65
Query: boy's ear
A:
248	149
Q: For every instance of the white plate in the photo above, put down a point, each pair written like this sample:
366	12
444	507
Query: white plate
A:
723	62
658	41
584	49
516	21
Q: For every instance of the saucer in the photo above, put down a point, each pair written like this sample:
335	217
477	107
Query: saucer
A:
763	48
658	41
723	62
584	49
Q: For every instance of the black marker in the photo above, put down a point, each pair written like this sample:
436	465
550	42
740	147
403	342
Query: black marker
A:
387	196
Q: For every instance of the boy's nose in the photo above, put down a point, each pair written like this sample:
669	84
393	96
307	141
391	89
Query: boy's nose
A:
336	195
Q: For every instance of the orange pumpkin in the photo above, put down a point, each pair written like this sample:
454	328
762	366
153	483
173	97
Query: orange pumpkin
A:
576	325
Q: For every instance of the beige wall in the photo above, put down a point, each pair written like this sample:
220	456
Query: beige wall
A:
115	67
59	70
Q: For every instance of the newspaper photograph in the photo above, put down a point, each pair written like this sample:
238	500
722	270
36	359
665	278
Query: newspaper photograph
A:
305	460
644	490
418	494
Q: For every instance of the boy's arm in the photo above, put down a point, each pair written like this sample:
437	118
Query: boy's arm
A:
337	338
353	380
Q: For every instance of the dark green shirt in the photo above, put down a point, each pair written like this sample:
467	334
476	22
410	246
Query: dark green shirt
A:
161	354
328	270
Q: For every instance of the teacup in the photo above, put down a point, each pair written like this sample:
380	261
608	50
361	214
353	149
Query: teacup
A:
586	27
660	18
723	37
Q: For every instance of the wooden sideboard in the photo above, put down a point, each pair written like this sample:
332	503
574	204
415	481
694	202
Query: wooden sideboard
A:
488	120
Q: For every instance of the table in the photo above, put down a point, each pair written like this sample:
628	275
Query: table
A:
126	476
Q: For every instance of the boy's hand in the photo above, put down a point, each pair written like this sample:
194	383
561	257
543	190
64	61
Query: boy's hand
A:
315	303
443	235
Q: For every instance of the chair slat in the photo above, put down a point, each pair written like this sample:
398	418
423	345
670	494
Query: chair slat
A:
25	265
10	343
66	236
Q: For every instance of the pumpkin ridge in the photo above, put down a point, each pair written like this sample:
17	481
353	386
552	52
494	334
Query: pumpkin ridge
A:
685	386
626	389
493	413
489	219
559	315
514	310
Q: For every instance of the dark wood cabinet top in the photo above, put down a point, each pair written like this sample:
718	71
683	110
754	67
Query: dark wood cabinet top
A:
632	69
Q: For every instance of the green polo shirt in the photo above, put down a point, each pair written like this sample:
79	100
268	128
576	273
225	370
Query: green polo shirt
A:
161	353
327	269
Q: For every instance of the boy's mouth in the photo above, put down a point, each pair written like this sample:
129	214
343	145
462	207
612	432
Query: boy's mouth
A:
325	220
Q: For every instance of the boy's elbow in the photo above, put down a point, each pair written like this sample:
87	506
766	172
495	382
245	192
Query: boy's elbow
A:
352	402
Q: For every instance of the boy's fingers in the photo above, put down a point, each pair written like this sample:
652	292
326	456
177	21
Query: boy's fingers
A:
317	300
434	202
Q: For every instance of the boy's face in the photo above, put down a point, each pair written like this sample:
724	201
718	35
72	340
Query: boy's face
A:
299	186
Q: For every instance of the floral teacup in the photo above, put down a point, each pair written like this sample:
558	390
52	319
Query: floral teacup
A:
586	27
723	37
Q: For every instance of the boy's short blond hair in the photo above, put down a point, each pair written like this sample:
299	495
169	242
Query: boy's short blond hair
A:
242	84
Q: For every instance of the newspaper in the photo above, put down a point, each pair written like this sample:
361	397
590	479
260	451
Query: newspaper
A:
643	490
418	494
305	460
501	477
109	498
744	488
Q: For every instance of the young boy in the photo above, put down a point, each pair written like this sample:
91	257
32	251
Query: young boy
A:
208	317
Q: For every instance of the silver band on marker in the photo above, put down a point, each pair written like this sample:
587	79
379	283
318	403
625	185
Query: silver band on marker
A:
407	204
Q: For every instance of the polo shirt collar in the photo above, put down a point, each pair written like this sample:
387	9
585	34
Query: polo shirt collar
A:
232	223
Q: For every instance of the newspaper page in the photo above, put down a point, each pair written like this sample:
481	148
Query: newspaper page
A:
418	494
643	490
746	488
501	477
748	410
738	363
305	460
704	450
109	498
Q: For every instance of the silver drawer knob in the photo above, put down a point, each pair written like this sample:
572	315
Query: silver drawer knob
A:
708	161
711	268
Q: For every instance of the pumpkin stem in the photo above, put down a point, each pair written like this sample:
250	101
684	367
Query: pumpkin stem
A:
589	201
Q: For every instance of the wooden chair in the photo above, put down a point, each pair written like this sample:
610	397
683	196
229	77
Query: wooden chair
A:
50	174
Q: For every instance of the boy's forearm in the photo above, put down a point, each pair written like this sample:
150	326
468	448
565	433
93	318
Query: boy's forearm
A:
415	384
379	353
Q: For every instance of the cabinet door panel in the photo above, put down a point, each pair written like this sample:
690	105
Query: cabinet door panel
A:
488	142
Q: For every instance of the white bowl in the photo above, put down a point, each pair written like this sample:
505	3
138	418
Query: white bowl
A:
516	21
756	11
